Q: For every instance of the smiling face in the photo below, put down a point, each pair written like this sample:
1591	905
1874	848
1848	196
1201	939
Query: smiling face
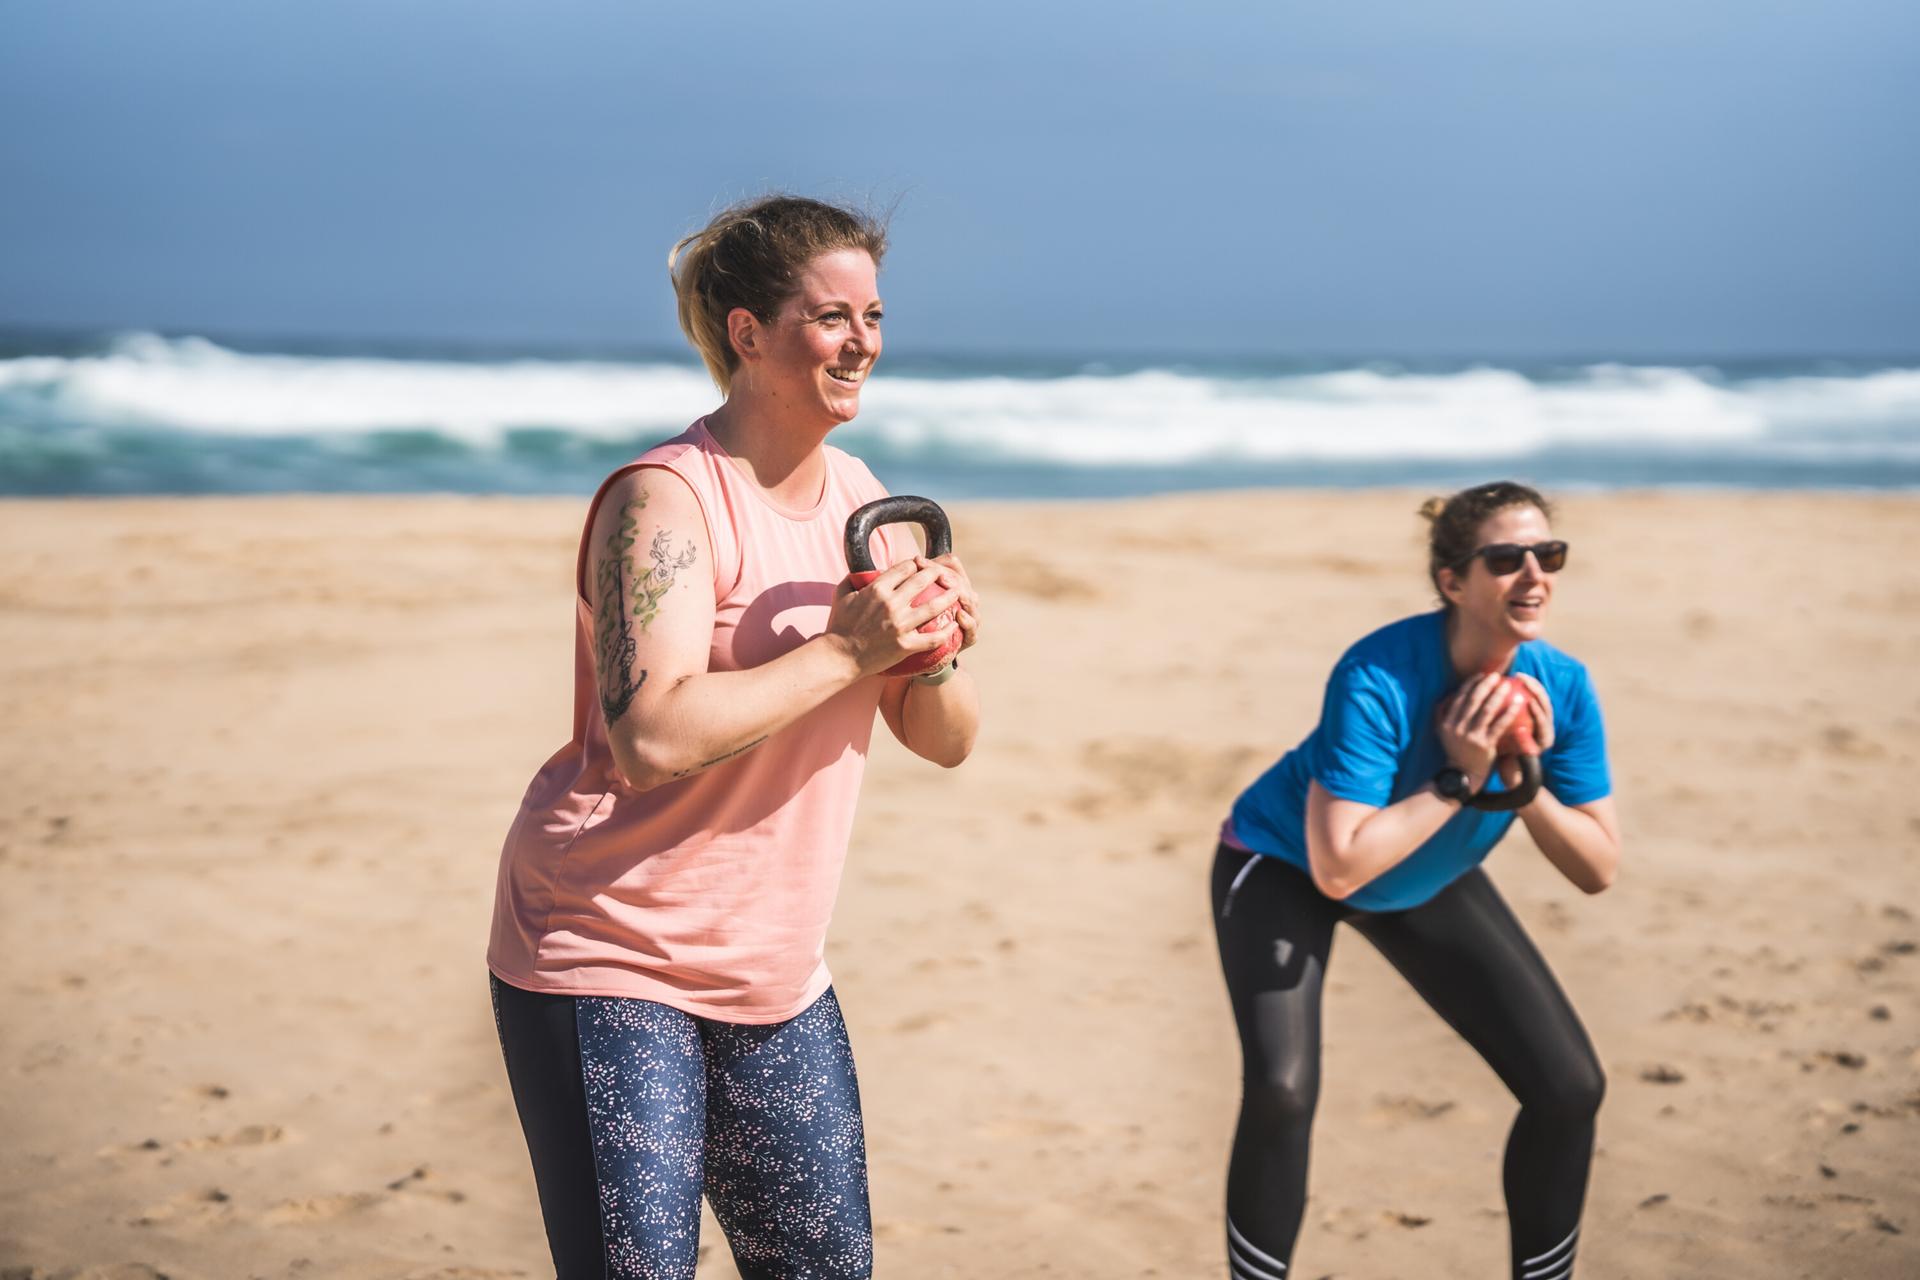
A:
814	357
1510	606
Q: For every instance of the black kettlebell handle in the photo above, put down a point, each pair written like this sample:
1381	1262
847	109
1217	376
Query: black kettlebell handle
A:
1516	798
900	509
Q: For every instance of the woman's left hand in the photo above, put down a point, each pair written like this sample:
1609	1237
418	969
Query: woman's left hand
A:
1542	708
966	610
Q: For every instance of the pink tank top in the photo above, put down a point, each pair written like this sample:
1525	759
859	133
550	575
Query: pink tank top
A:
710	894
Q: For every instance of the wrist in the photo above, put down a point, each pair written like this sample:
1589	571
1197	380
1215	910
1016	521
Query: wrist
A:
843	655
1458	784
940	674
1452	784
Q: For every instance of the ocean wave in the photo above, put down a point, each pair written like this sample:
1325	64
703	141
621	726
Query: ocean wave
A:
146	392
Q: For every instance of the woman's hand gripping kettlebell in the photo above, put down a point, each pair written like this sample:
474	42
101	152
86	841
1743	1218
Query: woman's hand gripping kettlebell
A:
901	620
1490	722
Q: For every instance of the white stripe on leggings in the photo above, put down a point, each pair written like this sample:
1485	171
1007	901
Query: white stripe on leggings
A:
1253	1251
1226	908
1536	1267
1244	1270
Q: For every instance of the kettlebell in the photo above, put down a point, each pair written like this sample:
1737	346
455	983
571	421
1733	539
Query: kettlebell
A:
861	571
1518	743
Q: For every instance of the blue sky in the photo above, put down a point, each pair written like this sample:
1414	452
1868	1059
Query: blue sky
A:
1362	178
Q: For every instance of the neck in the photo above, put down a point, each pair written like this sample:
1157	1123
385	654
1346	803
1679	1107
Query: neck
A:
1474	650
780	455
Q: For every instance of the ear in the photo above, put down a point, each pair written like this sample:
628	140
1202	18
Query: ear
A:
743	334
1451	586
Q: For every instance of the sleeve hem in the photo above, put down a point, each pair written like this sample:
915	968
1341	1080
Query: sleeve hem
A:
1340	791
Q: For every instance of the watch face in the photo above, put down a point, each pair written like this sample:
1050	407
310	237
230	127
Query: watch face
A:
1451	783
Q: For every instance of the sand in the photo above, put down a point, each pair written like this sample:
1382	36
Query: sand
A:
260	754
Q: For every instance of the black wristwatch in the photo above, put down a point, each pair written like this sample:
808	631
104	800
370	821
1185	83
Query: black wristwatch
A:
1454	784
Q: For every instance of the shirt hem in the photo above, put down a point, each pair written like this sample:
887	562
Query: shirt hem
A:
673	998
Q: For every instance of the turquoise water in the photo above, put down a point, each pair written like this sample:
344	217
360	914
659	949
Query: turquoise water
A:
150	414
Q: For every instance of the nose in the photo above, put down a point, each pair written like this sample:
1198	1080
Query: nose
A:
1530	570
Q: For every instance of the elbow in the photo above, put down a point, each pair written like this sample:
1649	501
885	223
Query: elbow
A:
945	745
954	754
1337	889
1606	871
1332	883
640	766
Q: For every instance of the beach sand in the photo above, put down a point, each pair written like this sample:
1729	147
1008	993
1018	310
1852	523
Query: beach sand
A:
260	754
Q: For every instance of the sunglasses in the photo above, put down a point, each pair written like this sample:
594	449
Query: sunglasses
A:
1506	557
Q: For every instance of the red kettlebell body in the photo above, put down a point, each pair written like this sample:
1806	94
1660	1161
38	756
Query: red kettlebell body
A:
904	509
1517	744
1518	739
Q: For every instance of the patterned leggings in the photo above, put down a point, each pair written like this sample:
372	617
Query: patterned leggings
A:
632	1109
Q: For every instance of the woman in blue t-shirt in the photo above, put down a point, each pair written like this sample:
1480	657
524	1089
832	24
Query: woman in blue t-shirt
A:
1366	822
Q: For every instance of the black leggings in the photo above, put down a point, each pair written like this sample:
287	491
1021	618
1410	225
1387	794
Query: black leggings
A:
1468	957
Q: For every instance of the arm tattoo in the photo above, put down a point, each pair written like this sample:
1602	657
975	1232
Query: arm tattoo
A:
659	579
614	645
737	751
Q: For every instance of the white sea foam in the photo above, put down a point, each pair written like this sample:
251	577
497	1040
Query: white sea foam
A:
190	384
1148	418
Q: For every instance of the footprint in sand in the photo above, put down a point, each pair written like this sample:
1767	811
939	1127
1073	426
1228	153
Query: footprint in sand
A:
416	1183
1394	1109
320	1208
1033	1128
1842	1058
198	1207
919	1022
899	1230
1026	577
252	1135
117	1271
1346	1221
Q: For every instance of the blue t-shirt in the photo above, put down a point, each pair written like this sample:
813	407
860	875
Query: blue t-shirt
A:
1376	744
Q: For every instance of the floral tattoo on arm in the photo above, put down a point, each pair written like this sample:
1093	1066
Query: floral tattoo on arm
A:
617	613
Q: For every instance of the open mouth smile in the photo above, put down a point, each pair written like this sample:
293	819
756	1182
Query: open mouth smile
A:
848	377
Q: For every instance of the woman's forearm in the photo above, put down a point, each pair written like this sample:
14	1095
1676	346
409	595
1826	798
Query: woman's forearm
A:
1576	842
701	720
939	721
1346	855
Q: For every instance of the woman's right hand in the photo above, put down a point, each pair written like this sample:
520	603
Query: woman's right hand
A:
1471	722
880	624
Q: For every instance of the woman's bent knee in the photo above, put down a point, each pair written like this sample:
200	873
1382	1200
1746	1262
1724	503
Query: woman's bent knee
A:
1285	1096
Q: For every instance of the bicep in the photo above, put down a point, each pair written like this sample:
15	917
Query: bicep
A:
1357	748
649	587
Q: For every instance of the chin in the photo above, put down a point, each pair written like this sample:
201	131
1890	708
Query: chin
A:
1530	629
841	411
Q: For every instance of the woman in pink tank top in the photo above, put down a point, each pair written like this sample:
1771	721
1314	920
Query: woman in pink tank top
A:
667	1018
